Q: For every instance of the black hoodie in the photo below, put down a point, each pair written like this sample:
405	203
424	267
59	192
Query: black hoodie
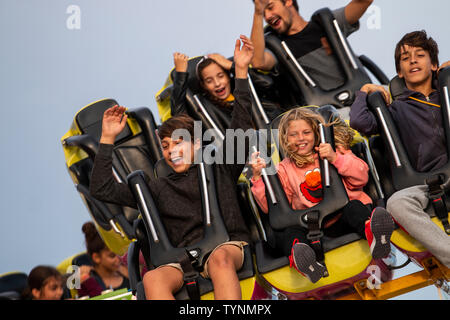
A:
178	196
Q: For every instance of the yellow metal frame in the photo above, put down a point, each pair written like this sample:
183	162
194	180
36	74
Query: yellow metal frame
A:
433	271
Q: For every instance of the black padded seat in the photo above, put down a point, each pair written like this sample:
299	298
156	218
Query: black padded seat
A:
311	91
12	285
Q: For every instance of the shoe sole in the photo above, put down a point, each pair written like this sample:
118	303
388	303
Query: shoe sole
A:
305	261
382	227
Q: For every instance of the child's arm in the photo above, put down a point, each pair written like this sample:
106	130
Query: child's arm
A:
180	82
258	186
241	117
103	186
354	171
361	118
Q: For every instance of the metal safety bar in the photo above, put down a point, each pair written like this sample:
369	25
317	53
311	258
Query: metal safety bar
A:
298	66
390	140
208	117
147	213
273	198
326	165
205	194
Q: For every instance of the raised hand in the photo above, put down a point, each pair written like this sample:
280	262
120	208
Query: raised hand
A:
260	5
180	61
257	165
243	55
370	88
221	60
114	120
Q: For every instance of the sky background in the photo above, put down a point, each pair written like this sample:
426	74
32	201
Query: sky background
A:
51	66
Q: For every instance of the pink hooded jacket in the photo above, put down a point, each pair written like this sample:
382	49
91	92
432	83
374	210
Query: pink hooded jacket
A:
303	185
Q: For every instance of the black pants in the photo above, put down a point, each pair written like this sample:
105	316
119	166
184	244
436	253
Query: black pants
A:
353	219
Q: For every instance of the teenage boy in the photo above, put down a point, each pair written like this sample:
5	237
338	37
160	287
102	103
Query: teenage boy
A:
307	40
418	118
178	196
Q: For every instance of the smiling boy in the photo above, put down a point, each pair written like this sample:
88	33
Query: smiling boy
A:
418	118
178	195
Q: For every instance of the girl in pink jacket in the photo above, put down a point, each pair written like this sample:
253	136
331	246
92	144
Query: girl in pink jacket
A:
300	177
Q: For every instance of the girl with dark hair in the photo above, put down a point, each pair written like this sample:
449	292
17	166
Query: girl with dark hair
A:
214	73
44	283
107	271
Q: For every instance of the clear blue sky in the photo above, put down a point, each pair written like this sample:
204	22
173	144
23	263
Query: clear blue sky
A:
123	50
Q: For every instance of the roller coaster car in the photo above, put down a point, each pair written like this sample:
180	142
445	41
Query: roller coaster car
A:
134	149
157	249
347	258
397	173
213	117
12	285
310	92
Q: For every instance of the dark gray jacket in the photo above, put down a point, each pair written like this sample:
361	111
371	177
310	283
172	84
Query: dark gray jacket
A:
419	123
178	196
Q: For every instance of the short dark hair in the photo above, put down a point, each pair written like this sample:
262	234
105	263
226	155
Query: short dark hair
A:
418	39
294	2
182	121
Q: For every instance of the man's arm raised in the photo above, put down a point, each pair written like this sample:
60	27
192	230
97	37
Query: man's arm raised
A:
261	59
355	10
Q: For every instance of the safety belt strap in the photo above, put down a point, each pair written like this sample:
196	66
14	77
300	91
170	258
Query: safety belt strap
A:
315	237
437	198
190	276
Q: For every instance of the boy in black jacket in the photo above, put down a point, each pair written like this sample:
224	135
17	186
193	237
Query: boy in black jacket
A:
178	196
418	118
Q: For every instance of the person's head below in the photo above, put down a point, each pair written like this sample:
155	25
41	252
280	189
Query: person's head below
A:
44	283
279	14
101	256
416	58
299	135
214	79
178	152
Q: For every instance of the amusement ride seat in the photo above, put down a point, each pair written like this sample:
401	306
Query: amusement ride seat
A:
157	249
346	257
309	92
135	148
398	172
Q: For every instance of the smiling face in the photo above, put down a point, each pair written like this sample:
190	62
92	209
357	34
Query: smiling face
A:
107	260
178	154
415	66
51	290
279	15
301	137
216	82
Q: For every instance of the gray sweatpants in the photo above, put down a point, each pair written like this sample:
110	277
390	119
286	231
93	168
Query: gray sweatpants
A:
407	208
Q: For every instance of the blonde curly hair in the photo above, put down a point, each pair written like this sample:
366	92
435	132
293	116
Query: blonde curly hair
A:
343	134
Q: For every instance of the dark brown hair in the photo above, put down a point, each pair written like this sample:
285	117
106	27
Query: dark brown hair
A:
203	63
418	39
38	278
294	3
182	121
94	243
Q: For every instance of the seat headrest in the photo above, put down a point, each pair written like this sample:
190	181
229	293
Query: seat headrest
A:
193	81
89	119
328	112
396	87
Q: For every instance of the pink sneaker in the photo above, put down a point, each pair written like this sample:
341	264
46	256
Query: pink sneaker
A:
378	233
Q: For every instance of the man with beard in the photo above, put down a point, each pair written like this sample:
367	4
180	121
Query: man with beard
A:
306	39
